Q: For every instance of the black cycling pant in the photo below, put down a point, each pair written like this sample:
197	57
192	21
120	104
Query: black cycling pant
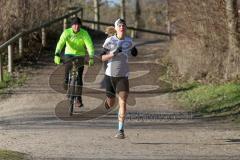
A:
80	67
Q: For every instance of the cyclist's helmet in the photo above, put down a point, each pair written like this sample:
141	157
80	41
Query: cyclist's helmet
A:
76	20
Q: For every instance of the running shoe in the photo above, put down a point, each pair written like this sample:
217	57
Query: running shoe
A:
120	134
78	103
106	105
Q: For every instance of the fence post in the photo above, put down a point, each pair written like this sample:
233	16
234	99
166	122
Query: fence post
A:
1	68
133	33
64	23
20	46
10	60
81	14
169	30
44	37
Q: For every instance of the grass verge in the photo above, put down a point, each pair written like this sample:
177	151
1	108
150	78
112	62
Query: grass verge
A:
15	80
12	155
218	100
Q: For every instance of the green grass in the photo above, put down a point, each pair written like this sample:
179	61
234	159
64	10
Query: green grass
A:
12	155
12	81
6	80
212	100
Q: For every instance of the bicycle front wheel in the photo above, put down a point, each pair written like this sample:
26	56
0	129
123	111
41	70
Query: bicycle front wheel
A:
71	95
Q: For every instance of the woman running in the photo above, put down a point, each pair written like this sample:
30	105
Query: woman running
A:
117	49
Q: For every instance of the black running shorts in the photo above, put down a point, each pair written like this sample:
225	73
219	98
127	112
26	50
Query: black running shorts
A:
115	85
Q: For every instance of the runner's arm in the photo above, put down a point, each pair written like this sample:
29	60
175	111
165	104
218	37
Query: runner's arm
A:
106	55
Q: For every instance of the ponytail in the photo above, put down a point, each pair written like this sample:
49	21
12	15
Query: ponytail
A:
110	31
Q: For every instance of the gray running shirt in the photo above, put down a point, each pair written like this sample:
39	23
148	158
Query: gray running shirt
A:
118	65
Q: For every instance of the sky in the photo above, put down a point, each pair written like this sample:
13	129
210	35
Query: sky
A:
114	1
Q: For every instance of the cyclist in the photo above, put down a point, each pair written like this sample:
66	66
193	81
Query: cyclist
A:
78	42
116	50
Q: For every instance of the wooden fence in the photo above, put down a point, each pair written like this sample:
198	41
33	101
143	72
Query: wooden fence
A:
20	37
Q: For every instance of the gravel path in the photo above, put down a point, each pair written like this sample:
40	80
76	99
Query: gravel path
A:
156	127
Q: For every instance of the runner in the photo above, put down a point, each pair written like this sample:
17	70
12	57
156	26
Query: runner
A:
117	49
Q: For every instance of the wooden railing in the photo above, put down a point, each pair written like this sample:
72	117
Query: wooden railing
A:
19	38
130	28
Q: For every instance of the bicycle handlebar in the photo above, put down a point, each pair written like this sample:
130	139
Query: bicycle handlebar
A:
74	60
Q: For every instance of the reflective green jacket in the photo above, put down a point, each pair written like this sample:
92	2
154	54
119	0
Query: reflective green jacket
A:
76	43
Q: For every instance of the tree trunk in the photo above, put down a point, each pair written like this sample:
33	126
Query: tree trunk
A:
123	14
137	17
96	15
232	68
232	15
1	68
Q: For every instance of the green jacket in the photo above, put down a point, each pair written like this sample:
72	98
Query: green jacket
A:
76	43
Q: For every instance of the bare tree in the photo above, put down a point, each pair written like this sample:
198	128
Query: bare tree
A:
232	15
122	10
137	17
233	56
96	14
198	50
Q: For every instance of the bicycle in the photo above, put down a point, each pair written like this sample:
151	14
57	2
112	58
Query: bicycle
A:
72	86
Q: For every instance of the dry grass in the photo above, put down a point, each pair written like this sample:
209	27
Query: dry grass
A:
200	48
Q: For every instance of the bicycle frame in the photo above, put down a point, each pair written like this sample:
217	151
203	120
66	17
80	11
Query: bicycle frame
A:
72	86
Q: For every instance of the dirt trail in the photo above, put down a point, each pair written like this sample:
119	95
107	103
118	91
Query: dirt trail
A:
156	127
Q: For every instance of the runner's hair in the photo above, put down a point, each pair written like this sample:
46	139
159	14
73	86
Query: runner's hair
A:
110	31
